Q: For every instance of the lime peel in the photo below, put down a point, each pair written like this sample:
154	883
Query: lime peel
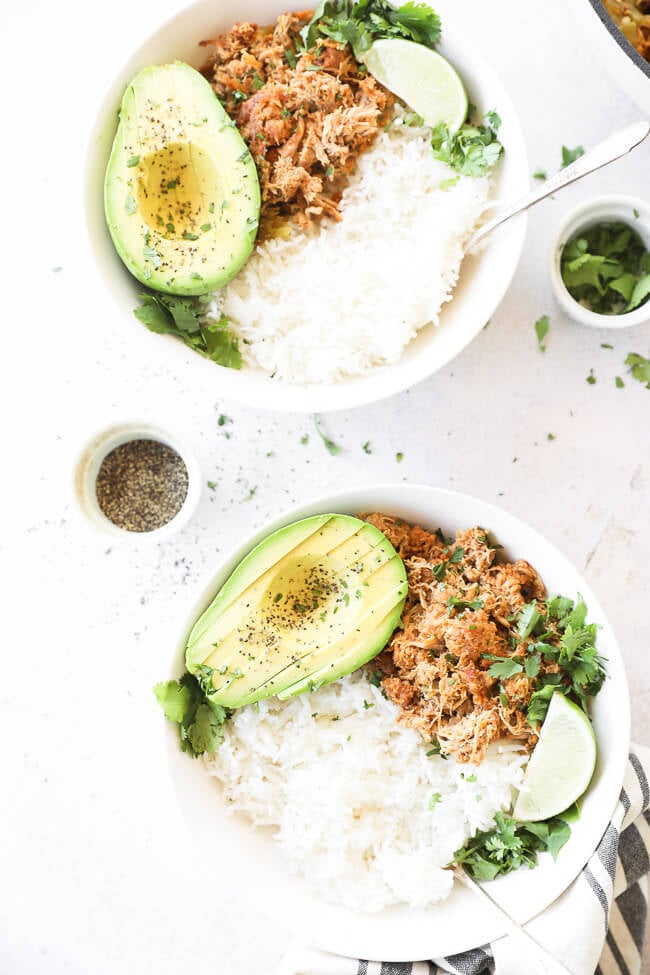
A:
561	765
421	78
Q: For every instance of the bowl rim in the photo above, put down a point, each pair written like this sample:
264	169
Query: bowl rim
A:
417	945
259	390
572	223
89	459
617	35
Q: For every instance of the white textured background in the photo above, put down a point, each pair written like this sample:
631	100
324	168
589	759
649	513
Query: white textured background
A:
97	873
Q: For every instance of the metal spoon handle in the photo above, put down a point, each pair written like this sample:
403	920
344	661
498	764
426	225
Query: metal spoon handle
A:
607	151
539	961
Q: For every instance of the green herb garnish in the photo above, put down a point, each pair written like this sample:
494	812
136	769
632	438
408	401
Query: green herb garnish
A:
541	331
331	447
570	155
639	367
359	24
472	150
510	845
169	315
200	720
607	268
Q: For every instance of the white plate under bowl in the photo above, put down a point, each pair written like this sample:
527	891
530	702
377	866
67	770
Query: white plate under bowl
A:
249	857
484	278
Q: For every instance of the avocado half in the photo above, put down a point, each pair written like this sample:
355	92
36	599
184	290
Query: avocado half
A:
181	193
309	604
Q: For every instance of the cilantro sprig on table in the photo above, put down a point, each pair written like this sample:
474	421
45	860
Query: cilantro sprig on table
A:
359	24
511	845
200	720
182	317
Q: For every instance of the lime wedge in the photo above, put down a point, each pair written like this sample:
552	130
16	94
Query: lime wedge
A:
421	78
562	763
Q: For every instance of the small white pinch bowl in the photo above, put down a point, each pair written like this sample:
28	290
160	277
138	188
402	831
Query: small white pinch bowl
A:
90	459
596	210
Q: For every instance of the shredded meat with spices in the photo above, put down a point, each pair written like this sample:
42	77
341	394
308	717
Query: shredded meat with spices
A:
633	19
460	607
305	116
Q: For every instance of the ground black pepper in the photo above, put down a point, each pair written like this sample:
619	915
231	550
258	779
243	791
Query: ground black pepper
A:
141	485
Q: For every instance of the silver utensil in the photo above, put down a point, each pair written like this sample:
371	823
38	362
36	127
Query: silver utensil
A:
536	960
605	152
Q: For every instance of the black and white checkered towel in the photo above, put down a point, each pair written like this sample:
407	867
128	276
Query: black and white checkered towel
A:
596	926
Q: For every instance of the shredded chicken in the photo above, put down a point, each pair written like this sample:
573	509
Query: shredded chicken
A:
460	614
633	19
305	115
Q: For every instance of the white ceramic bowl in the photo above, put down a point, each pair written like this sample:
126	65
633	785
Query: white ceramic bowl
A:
593	211
86	469
249	858
484	278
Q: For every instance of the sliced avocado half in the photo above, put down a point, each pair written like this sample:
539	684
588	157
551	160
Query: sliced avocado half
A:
181	193
309	604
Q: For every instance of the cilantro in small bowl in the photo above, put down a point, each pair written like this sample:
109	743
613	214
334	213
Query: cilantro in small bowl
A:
600	263
607	268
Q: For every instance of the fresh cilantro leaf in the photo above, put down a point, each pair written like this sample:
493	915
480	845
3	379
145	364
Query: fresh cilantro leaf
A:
360	23
538	705
473	150
181	317
541	331
434	800
457	602
528	618
173	698
532	665
186	703
639	367
331	447
559	607
570	155
505	668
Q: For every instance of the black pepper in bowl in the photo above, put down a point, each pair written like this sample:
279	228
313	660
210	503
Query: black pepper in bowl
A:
141	485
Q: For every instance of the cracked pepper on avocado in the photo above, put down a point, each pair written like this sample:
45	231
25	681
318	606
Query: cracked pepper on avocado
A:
237	194
414	674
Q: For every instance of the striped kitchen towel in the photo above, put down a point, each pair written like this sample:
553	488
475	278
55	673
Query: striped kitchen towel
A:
596	926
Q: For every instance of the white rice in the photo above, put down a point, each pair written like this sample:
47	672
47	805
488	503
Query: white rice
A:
318	308
349	791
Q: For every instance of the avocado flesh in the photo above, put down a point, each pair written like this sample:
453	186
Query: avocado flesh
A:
329	593
181	193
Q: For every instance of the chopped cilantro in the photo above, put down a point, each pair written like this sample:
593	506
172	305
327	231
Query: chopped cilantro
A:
167	314
212	485
368	704
541	331
528	618
331	447
510	845
366	447
639	367
540	174
360	23
606	268
457	602
606	345
472	150
258	82
550	436
132	161
304	439
570	155
399	457
591	379
619	382
505	667
434	800
290	58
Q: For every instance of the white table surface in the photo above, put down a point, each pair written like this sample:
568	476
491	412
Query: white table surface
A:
98	873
